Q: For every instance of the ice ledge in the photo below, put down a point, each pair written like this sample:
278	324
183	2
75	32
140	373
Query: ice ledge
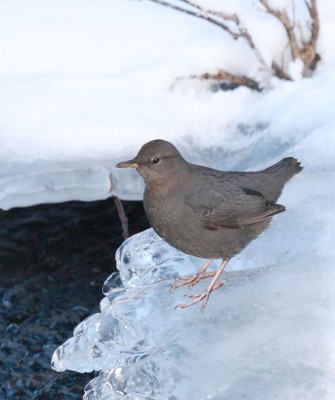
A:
42	182
24	183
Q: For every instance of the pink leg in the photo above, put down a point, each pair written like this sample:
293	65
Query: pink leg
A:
194	279
212	286
196	296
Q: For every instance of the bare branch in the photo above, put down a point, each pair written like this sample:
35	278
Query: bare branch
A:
212	16
313	11
190	3
283	17
223	75
279	72
203	14
307	51
220	14
123	217
230	23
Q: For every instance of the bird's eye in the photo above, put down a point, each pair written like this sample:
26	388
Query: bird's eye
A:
155	160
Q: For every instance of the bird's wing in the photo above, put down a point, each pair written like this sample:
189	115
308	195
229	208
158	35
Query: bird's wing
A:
233	208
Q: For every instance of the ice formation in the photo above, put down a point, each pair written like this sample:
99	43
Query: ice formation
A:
268	332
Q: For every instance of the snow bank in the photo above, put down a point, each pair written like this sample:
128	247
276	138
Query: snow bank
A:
84	86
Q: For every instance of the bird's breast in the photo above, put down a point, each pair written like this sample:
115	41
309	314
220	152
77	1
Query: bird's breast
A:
165	211
174	221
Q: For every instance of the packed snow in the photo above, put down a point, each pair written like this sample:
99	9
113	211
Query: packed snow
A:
83	86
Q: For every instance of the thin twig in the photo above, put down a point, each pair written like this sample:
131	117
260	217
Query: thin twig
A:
223	75
201	14
232	17
232	25
313	12
307	51
279	72
211	16
122	216
283	17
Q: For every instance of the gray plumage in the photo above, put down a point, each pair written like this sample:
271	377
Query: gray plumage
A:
206	212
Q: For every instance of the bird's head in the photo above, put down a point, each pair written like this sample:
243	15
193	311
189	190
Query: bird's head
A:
158	161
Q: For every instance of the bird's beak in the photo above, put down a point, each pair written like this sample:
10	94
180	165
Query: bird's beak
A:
128	164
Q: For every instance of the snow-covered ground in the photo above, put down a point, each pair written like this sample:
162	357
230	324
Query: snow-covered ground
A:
83	85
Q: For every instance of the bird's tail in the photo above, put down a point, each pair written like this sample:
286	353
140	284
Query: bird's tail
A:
285	168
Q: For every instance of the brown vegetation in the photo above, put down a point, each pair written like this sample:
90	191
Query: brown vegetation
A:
300	48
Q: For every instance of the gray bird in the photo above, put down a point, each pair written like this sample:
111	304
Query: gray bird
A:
206	212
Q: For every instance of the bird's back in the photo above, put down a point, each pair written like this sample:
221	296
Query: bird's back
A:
270	181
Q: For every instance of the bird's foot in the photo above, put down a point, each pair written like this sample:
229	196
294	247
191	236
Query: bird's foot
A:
193	280
214	285
201	297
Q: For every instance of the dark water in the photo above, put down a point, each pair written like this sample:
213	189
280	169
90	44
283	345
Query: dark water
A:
53	262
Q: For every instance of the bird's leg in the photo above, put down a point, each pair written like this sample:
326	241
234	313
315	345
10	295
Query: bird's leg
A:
194	279
196	296
211	287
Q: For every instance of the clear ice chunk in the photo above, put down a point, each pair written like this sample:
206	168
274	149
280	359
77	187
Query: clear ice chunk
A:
146	258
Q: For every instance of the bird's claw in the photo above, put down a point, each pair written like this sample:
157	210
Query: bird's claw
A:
214	285
193	280
197	300
200	296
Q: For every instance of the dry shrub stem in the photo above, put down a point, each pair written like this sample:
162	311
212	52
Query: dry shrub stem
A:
302	49
122	216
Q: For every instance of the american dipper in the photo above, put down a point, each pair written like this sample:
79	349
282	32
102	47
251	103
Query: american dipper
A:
206	212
